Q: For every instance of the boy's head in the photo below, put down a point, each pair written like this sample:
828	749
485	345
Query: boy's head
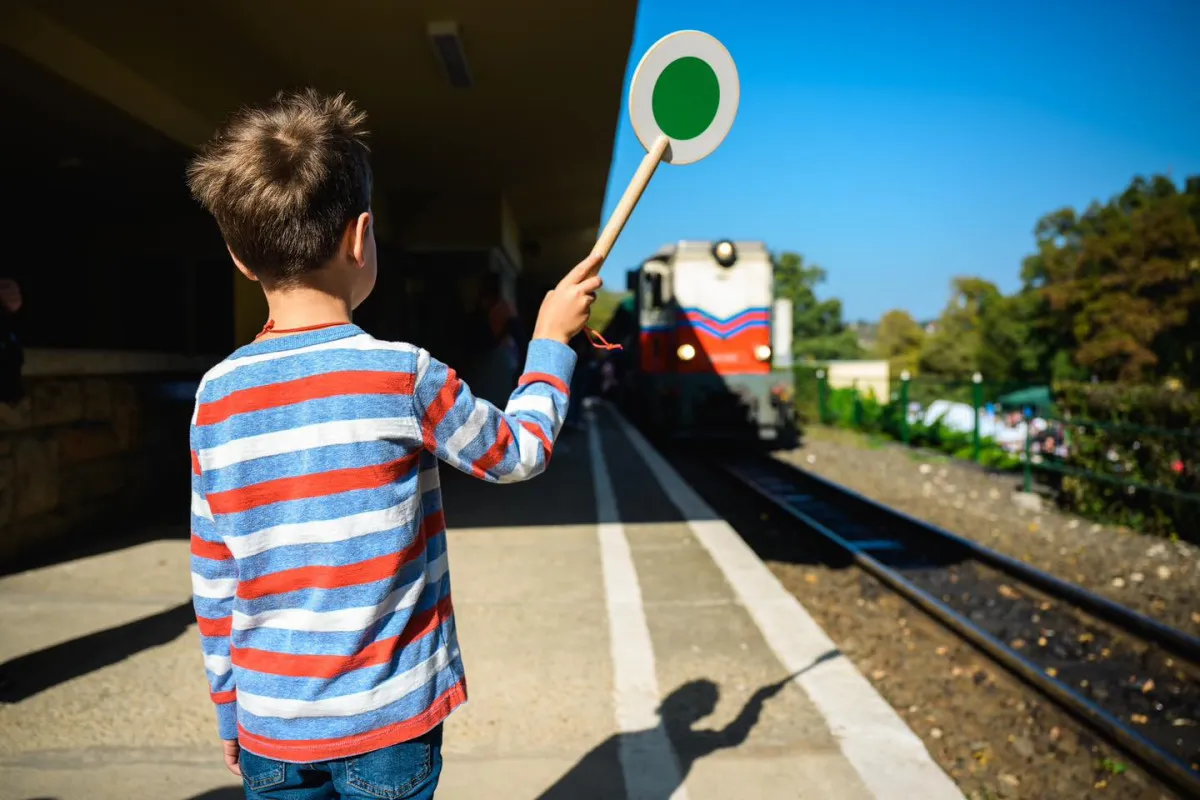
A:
289	184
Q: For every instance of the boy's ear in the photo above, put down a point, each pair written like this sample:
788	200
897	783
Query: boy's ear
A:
358	232
241	267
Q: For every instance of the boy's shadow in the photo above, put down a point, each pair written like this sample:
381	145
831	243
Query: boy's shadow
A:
599	773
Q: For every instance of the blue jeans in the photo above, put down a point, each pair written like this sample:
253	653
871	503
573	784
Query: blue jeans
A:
405	771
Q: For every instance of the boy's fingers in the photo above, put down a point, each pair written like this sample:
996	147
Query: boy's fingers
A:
584	269
591	284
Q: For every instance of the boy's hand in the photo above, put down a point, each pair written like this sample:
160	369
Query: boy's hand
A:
232	751
566	308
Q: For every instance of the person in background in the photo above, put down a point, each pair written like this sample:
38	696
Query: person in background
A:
12	356
579	383
504	323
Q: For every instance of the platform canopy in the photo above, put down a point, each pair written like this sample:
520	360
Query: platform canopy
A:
531	131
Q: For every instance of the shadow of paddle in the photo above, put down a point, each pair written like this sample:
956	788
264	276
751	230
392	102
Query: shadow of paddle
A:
598	774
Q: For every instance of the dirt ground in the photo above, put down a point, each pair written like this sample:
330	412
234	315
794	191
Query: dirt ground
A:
1158	577
995	736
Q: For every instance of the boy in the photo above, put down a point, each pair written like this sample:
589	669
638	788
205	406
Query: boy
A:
318	539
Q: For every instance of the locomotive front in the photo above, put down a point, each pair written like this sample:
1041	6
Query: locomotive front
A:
704	350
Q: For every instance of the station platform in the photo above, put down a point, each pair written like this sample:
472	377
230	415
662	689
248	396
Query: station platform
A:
619	639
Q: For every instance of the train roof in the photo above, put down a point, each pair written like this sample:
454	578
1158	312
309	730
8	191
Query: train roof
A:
700	248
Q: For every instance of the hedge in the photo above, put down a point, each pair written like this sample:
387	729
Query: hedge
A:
871	416
1141	446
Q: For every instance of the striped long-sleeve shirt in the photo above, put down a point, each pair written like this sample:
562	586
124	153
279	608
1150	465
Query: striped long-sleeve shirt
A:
319	569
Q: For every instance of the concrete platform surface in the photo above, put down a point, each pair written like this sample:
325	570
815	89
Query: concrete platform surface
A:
619	640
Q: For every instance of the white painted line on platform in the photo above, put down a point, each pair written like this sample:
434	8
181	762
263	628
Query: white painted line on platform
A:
648	762
891	760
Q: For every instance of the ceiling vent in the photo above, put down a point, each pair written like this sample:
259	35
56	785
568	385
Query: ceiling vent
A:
448	46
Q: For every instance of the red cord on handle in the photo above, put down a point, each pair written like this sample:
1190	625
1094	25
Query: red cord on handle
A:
599	342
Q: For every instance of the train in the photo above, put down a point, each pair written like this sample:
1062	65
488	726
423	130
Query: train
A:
709	356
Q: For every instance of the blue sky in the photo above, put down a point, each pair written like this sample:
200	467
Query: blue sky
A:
898	144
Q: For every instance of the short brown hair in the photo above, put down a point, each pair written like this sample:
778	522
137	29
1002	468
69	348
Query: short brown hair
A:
283	180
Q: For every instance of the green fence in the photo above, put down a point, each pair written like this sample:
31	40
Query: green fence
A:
1054	454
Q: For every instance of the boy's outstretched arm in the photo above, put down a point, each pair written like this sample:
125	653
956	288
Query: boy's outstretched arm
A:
473	435
214	584
514	444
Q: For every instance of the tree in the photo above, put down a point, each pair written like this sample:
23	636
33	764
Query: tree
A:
1122	282
899	340
818	331
953	351
1010	351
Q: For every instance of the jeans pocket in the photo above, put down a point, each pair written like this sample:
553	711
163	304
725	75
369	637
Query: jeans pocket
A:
391	773
261	773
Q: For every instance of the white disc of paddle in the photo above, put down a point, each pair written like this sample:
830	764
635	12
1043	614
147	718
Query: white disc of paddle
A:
685	88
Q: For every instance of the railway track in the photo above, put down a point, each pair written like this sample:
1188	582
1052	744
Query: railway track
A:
1132	679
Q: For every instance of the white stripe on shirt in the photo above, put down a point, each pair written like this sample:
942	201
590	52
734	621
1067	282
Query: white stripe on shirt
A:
324	531
343	619
348	705
214	588
321	434
361	341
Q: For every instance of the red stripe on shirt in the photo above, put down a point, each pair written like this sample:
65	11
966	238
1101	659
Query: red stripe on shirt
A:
321	666
293	580
221	626
216	551
223	697
317	484
439	408
494	454
286	393
195	463
312	750
543	377
434	524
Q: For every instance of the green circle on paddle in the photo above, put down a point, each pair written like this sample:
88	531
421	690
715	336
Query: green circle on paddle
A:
686	97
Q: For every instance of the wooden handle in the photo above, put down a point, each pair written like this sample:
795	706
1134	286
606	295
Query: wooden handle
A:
633	193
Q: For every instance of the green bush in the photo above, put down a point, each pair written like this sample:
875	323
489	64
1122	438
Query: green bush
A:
847	409
1132	438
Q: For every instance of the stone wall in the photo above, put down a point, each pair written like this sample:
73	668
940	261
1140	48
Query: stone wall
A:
92	455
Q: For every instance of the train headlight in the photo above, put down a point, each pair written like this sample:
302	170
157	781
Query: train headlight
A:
762	352
686	352
725	253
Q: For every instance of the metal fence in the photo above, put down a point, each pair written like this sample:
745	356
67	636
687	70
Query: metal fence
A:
1049	445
